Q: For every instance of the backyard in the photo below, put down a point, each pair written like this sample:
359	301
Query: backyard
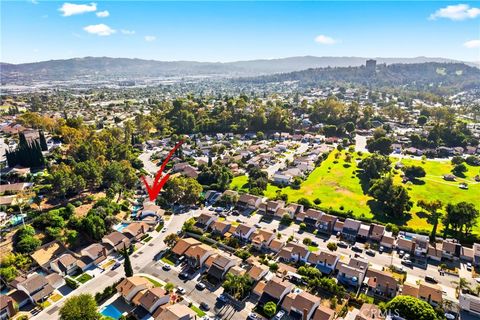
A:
337	185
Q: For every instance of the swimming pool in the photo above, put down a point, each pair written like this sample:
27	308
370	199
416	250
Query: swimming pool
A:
111	311
17	219
119	227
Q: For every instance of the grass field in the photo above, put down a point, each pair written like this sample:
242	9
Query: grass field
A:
336	183
84	277
198	311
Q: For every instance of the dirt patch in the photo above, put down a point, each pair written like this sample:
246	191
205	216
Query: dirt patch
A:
82	210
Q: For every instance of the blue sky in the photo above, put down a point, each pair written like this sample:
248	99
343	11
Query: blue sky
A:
230	31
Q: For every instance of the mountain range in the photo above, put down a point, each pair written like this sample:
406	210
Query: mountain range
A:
105	68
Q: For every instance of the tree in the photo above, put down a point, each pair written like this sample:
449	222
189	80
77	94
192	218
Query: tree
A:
25	241
461	285
432	207
169	287
375	165
182	190
127	265
237	286
286	220
332	246
82	307
350	127
422	120
459	170
382	145
307	204
270	308
394	198
411	308
171	240
461	217
413	172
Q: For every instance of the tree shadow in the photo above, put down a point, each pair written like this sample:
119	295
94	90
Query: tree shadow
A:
379	214
365	182
417	182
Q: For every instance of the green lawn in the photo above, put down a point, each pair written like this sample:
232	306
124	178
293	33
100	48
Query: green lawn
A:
313	248
198	311
336	184
84	277
166	259
154	282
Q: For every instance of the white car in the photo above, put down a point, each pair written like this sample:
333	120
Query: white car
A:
180	290
279	315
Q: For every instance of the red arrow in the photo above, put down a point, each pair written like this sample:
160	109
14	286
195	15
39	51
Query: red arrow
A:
158	184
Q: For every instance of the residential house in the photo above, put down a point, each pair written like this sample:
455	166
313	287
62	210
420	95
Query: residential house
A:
353	273
451	249
248	201
175	311
350	229
204	220
381	283
312	217
326	223
435	252
275	290
428	292
406	245
338	226
151	299
294	252
466	254
301	306
135	230
220	227
377	232
150	209
387	242
276	245
324	261
94	253
295	208
36	287
220	266
280	178
67	264
261	239
257	272
363	232
272	207
324	313
469	303
476	254
198	254
7	307
129	287
115	241
183	245
243	231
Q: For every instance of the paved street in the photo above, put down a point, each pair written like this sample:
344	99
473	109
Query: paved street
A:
147	164
139	259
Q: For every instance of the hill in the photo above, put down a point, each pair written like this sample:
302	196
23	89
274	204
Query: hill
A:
428	76
104	68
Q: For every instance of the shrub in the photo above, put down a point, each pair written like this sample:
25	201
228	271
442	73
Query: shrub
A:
270	308
332	246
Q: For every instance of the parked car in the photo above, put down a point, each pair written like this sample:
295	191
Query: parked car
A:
116	265
183	275
200	286
357	249
204	306
370	252
257	225
252	316
407	262
166	267
180	290
469	266
381	249
401	253
279	315
222	298
342	244
430	279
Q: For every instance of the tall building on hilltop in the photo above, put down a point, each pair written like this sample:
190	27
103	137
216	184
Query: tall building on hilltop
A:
370	66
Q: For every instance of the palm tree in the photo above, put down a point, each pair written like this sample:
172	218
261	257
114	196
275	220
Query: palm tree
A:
461	284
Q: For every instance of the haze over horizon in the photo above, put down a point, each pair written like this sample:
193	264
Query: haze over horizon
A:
188	31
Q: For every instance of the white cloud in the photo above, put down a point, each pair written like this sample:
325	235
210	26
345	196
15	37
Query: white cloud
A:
34	1
150	38
323	39
456	12
70	9
127	32
472	44
103	14
99	29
